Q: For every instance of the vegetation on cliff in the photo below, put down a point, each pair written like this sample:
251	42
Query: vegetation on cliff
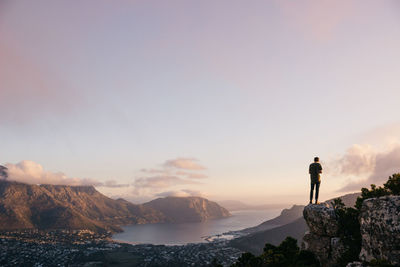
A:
348	218
287	254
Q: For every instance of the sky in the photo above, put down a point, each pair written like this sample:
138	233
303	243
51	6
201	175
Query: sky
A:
221	99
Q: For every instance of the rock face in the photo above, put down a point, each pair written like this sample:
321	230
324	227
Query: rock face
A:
380	229
322	239
187	209
321	219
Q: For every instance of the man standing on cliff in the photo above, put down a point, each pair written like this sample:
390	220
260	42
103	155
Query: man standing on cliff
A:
315	171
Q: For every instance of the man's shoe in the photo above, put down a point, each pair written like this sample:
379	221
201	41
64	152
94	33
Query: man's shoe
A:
310	203
316	202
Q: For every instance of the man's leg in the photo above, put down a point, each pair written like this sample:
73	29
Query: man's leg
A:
311	192
317	192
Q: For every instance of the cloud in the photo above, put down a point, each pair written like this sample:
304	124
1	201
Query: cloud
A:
180	193
192	175
31	172
358	159
152	171
166	180
113	184
160	181
184	163
375	166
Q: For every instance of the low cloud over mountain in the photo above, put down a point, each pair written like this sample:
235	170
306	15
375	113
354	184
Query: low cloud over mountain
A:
164	180
30	172
171	178
180	193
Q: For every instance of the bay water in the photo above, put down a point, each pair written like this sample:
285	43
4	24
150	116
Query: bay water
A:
183	233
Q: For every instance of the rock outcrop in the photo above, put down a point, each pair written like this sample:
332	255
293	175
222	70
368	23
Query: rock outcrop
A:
322	239
380	229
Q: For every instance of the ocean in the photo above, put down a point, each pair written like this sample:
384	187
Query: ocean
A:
183	233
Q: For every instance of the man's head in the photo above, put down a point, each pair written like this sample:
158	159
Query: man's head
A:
316	159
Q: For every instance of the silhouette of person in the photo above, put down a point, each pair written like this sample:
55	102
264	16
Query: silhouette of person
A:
315	171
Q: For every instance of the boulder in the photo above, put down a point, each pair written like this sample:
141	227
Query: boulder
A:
319	245
380	229
322	239
321	219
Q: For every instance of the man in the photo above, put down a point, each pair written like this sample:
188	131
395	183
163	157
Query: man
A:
315	171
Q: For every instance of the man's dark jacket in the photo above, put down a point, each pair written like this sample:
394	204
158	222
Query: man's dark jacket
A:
315	170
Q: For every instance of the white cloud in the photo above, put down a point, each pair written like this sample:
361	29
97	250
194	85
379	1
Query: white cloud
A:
113	184
30	172
375	166
160	181
180	193
191	175
184	163
358	159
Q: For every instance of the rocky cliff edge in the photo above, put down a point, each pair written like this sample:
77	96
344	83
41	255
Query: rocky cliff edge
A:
379	227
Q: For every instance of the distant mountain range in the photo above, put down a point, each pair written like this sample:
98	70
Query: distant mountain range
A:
26	206
235	205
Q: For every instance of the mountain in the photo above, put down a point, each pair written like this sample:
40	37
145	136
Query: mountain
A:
286	216
26	206
256	241
187	209
349	200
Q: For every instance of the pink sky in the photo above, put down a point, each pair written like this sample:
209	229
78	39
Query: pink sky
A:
250	92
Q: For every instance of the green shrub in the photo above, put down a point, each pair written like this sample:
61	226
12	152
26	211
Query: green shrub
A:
393	184
287	254
349	231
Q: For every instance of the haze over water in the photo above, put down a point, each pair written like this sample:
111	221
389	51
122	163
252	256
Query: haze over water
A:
183	233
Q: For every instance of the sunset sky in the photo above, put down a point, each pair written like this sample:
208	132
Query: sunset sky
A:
224	99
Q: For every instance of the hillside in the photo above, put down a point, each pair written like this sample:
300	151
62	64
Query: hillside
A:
187	209
286	216
25	206
255	242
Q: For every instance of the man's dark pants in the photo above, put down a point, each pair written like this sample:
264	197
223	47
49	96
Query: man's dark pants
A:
316	184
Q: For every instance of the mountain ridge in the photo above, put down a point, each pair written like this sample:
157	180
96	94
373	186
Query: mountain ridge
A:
27	206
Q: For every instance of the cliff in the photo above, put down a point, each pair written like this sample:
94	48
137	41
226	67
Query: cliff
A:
380	229
322	238
379	226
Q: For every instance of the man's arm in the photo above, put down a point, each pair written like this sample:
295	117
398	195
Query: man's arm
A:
320	168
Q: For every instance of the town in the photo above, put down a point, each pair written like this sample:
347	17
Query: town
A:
86	248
